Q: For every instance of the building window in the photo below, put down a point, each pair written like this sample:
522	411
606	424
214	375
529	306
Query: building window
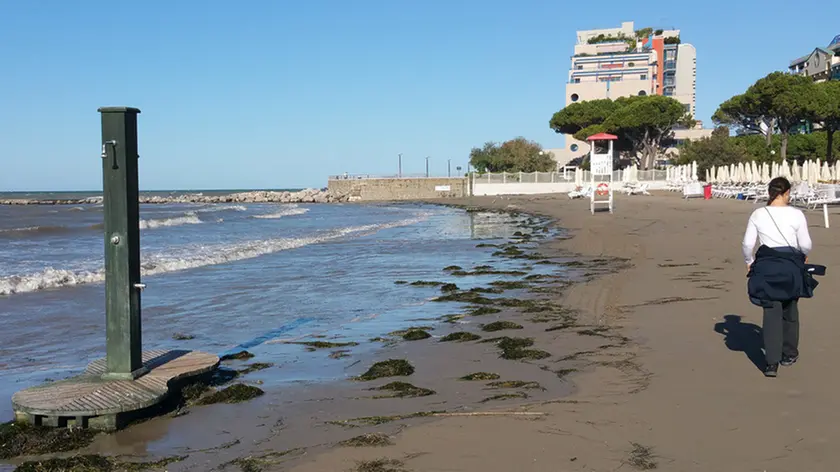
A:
579	67
643	77
574	147
670	54
574	97
577	80
642	93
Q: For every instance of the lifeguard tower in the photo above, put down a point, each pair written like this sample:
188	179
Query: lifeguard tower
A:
601	170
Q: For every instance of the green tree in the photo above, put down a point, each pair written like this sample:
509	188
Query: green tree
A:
827	112
582	115
789	99
643	123
718	150
515	155
647	122
744	113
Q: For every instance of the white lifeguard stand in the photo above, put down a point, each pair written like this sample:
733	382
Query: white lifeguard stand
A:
601	170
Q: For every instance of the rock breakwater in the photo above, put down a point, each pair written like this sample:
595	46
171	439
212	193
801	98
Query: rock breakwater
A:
257	196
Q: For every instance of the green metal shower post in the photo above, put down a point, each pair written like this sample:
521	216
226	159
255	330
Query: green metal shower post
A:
122	242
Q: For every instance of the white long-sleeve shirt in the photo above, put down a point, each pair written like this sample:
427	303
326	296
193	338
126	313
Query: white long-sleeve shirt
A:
792	230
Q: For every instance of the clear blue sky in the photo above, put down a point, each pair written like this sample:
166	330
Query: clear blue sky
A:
276	94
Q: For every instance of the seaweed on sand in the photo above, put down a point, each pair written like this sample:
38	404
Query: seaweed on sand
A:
241	355
368	440
416	335
515	348
389	368
460	336
482	310
500	325
426	283
509	285
403	390
464	297
515	384
480	376
94	463
19	439
505	396
378	420
236	393
379	465
642	458
322	344
257	463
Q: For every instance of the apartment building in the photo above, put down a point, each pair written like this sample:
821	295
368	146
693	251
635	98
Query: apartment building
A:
820	64
620	62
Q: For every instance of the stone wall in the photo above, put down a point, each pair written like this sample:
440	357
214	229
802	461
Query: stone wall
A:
386	189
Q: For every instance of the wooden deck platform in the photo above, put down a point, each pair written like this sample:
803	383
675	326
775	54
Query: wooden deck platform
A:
88	400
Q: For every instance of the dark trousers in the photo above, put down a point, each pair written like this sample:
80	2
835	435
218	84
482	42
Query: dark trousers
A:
781	331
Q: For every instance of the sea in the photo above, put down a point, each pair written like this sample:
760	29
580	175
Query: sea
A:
224	278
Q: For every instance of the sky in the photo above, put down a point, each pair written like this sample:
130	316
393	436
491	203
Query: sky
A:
283	93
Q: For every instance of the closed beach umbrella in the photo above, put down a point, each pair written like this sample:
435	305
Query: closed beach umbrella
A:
756	177
765	173
826	172
836	170
694	176
805	168
796	173
814	174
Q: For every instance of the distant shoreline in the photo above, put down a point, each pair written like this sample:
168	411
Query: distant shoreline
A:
255	196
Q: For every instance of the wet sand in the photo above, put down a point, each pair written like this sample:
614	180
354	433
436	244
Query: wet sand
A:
682	394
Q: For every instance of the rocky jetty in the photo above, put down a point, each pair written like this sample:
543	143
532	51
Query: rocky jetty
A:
257	196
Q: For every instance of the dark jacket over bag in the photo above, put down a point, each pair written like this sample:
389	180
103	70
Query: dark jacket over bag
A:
780	275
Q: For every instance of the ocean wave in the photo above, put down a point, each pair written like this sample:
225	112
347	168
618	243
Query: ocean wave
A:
188	219
290	211
215	208
36	229
190	258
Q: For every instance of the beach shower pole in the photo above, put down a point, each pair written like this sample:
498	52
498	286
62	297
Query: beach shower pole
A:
122	242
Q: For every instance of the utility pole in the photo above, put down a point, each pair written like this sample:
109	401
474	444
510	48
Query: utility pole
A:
399	165
427	166
449	167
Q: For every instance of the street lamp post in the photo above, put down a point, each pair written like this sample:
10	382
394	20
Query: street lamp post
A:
449	167
399	168
427	166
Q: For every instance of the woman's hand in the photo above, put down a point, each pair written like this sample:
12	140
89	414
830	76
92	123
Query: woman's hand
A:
748	269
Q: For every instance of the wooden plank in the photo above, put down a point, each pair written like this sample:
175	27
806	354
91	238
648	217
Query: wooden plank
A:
90	395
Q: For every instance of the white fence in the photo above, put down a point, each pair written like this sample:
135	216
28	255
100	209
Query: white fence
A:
562	177
530	183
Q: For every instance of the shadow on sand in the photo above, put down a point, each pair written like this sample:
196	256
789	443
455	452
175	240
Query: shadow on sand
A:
743	337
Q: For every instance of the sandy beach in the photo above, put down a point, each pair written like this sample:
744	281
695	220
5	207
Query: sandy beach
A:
682	393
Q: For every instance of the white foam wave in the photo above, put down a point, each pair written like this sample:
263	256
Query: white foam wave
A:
188	219
210	209
290	211
189	258
20	230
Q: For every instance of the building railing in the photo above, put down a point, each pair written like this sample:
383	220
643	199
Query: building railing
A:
567	176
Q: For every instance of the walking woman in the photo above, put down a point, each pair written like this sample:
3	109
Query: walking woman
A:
778	275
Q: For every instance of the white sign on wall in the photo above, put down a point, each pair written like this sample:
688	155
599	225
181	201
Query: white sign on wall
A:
442	188
601	164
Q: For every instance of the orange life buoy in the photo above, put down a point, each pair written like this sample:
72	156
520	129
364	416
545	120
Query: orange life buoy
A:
603	189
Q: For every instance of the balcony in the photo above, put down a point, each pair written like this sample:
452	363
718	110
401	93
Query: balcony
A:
671	65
